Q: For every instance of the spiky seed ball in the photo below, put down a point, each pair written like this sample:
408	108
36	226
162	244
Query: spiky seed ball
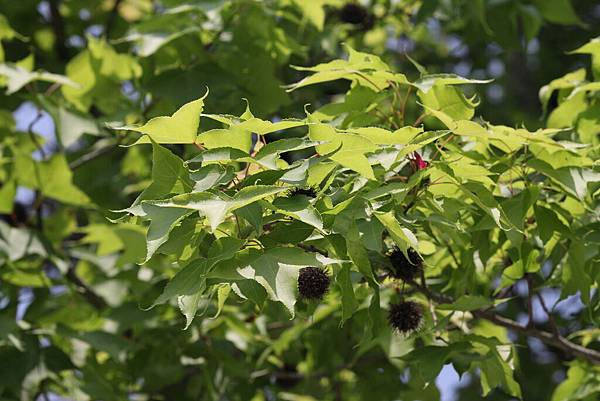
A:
353	13
313	283
308	191
405	316
405	268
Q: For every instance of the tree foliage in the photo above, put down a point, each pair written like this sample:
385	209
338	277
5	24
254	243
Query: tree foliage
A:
299	200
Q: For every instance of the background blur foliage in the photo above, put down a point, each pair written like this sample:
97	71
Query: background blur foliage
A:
465	129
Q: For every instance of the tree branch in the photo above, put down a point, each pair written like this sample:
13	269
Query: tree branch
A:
93	299
529	299
91	156
58	27
557	341
553	339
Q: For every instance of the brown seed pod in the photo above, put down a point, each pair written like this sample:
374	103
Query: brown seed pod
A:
406	316
404	268
313	283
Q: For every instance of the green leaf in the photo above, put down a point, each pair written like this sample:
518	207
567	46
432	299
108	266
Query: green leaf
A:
558	156
358	253
593	48
181	127
52	177
169	175
548	223
162	221
467	303
216	207
268	155
497	367
231	137
449	100
211	176
425	83
352	148
573	180
7	196
361	69
148	43
402	236
71	126
222	249
575	276
16	243
581	384
275	269
349	302
191	280
588	123
429	360
18	77
527	263
565	115
375	322
313	11
188	281
380	136
567	81
98	72
300	208
247	122
223	291
558	11
220	154
6	31
292	233
518	206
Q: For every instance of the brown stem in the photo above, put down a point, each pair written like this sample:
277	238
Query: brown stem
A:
420	119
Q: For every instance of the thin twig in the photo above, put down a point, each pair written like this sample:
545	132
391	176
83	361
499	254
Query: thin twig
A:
366	78
590	355
93	299
553	324
90	156
451	252
438	151
529	299
33	136
420	119
237	222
